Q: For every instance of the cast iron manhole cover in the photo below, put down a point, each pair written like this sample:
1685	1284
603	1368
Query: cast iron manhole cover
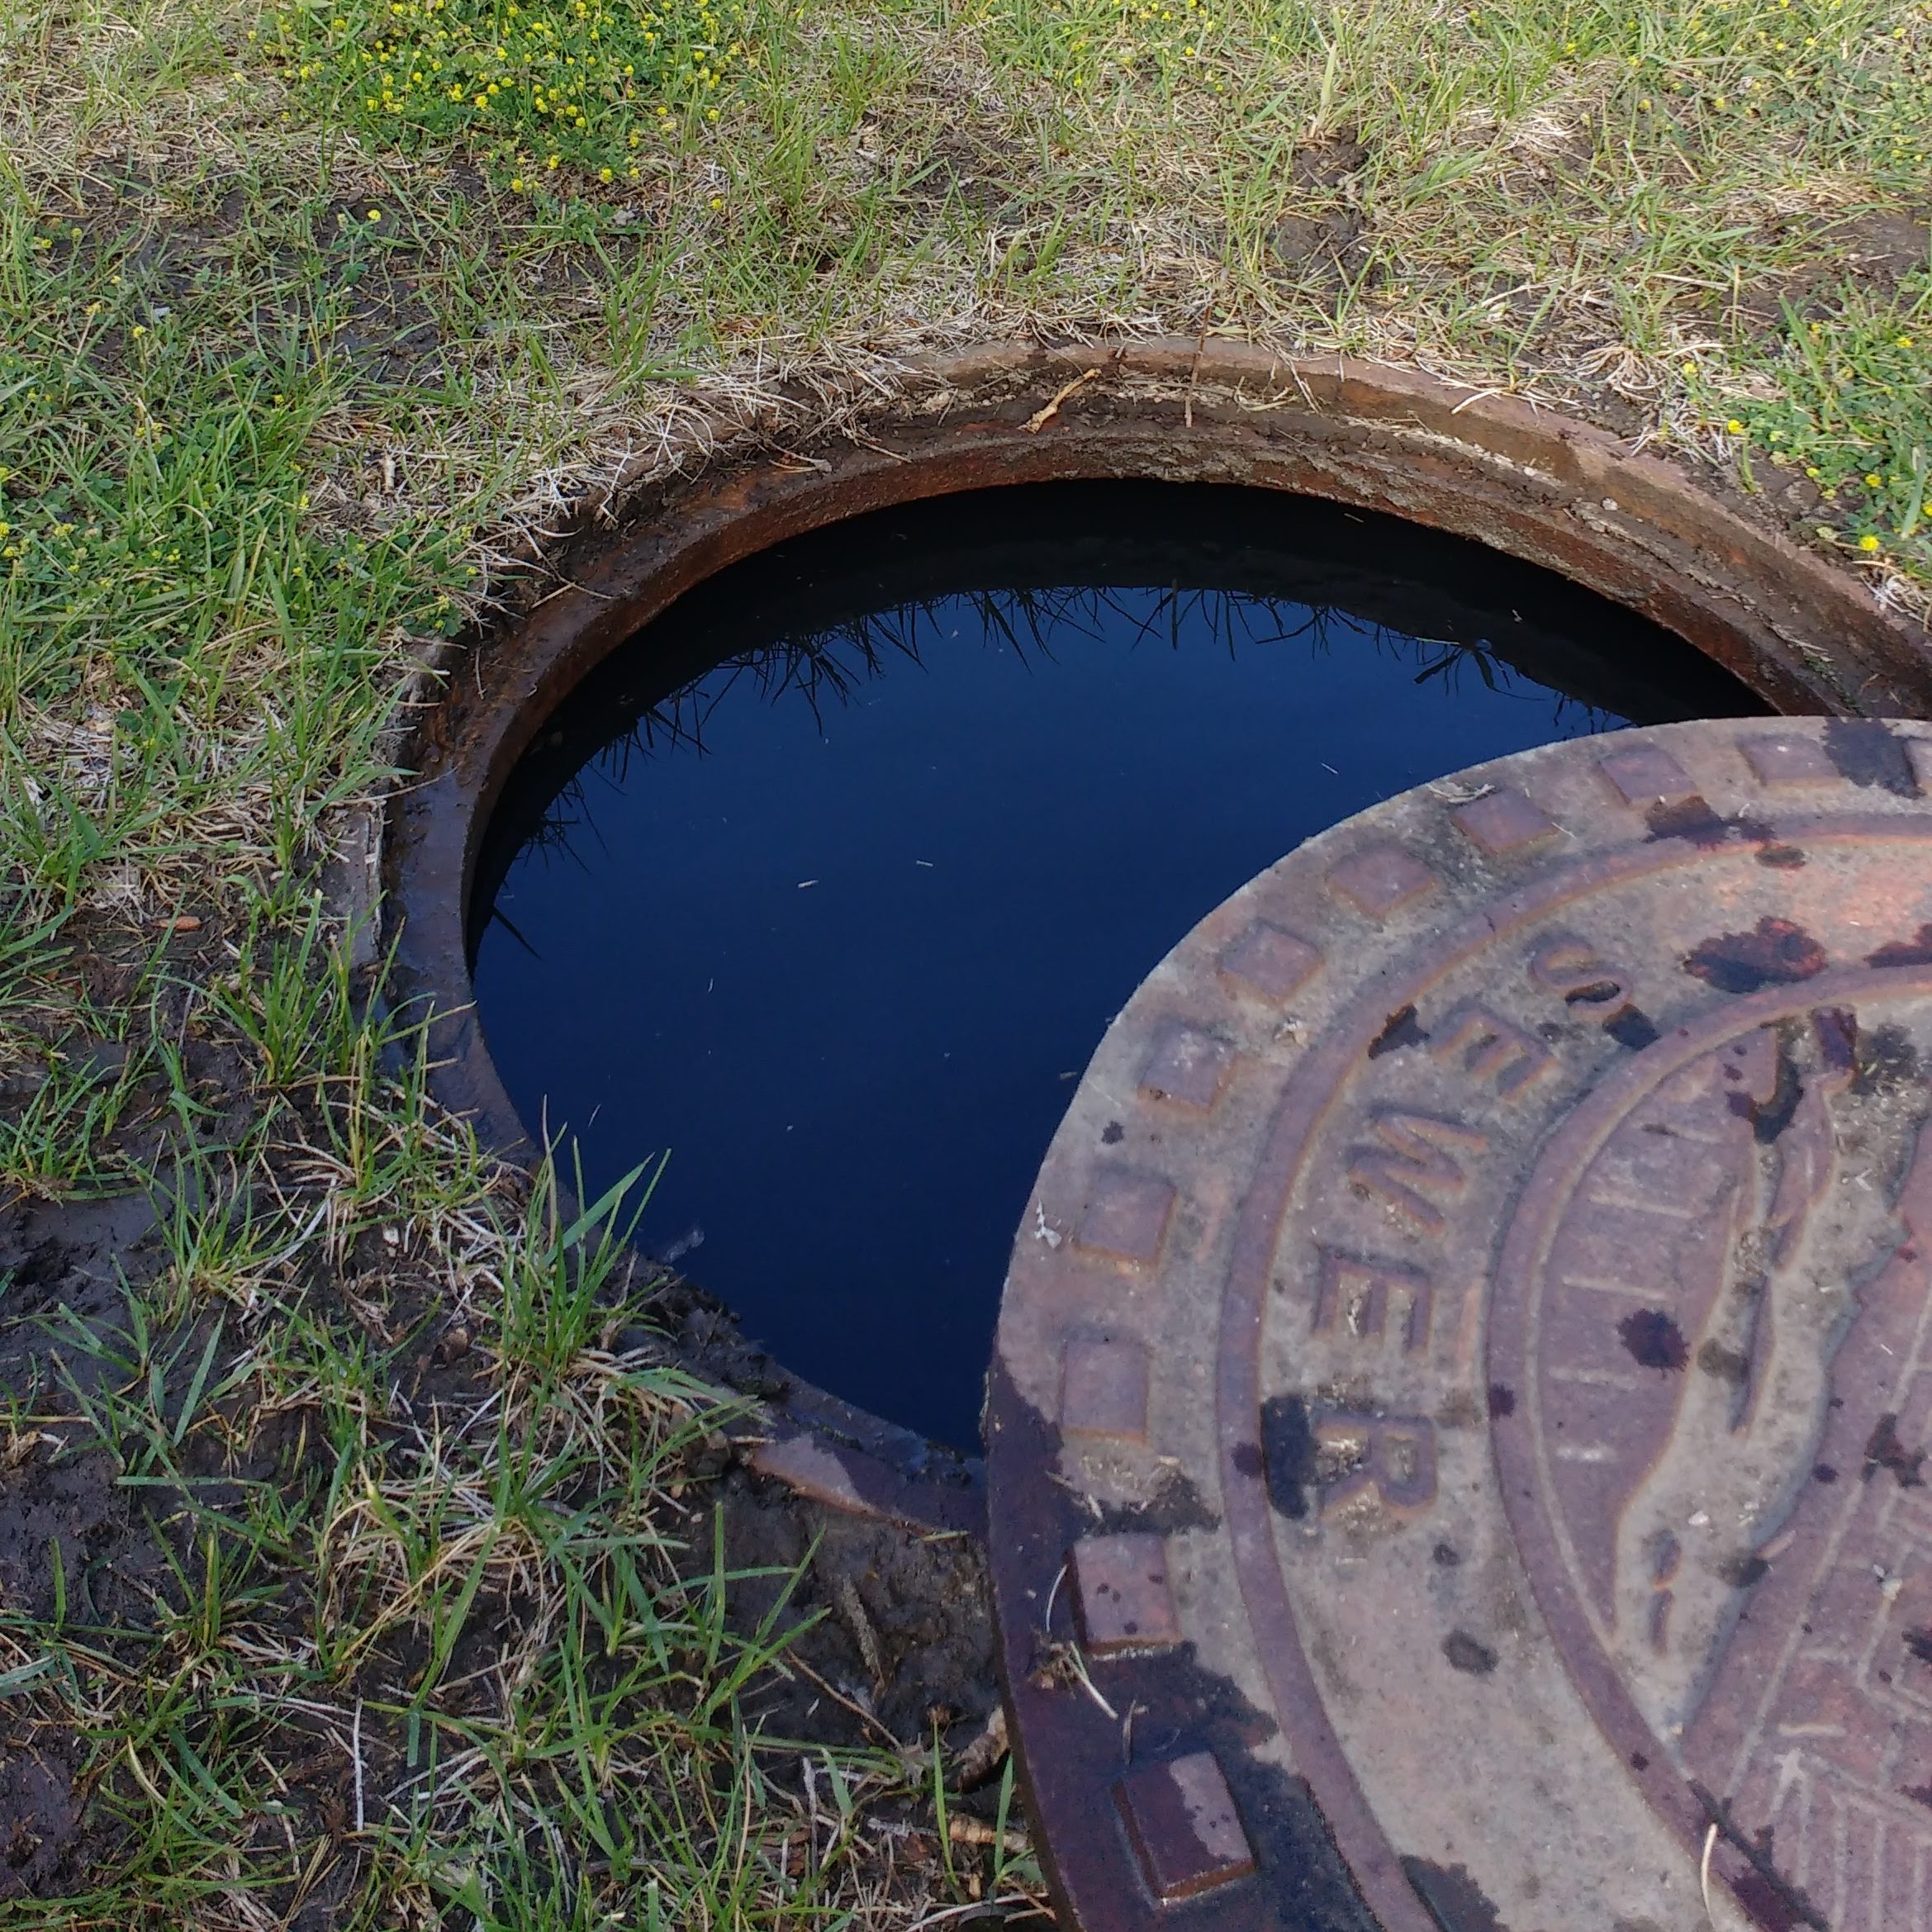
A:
1458	1434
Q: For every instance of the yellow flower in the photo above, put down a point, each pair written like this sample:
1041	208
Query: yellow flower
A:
1867	542
375	214
1874	481
604	174
1904	341
516	184
1690	368
1735	427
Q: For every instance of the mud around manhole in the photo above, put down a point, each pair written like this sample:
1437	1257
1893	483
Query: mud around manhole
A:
885	1623
1462	1405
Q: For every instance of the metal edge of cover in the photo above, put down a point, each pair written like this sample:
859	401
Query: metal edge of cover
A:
1458	1431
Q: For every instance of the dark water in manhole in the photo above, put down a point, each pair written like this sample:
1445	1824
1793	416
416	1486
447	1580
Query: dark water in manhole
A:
830	881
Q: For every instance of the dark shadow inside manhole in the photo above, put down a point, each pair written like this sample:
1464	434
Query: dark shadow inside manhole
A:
830	881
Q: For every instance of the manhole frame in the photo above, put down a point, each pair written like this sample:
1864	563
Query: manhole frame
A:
1808	637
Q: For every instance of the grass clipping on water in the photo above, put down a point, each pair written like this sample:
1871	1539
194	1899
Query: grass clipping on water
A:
317	323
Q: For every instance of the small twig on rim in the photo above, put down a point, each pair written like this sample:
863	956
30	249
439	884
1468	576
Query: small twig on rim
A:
860	437
1195	373
565	583
1040	418
1704	1873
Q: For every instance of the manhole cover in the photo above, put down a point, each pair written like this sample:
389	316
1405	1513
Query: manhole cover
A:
1459	1430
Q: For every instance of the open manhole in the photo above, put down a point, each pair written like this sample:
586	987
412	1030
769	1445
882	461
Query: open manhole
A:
830	878
1459	1441
816	826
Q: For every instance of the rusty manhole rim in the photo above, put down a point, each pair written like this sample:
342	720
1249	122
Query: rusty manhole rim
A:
1804	636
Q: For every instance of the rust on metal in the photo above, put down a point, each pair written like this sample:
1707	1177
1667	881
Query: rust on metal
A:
1460	1447
1805	636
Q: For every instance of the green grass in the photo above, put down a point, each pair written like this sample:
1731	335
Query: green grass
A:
1848	409
292	385
454	1653
554	96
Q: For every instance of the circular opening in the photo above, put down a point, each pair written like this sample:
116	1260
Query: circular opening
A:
1094	791
828	881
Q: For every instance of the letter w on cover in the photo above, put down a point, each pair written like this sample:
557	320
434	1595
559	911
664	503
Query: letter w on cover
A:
1417	1165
